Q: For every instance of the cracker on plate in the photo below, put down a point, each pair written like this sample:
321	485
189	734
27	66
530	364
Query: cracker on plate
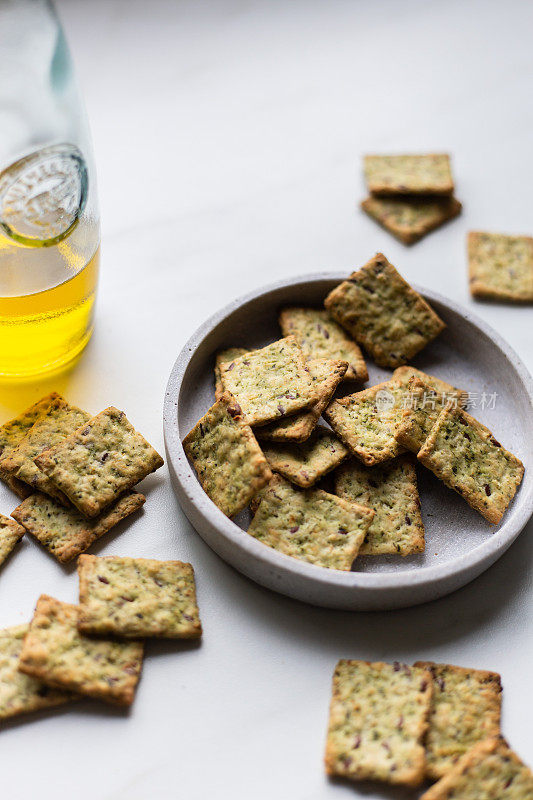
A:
391	491
19	693
409	174
311	525
366	421
321	337
326	377
55	652
501	267
66	532
137	597
465	455
409	219
306	462
270	383
10	535
421	408
228	461
378	718
383	313
448	392
223	356
488	771
465	710
99	461
59	420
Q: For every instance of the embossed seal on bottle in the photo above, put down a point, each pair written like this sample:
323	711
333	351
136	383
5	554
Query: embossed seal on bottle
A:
43	194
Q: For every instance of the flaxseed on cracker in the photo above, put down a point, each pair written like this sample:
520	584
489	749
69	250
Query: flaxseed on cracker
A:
55	652
391	491
409	219
465	710
10	535
501	267
465	455
383	313
270	383
223	356
489	771
228	461
366	421
99	461
66	532
322	338
137	598
304	463
326	376
19	693
428	174
378	718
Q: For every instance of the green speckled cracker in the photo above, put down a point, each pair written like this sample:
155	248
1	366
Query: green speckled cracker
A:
409	174
223	356
383	313
321	337
404	374
10	534
501	267
465	710
303	464
366	421
19	693
409	219
489	771
137	597
377	721
465	455
228	461
55	652
391	491
99	461
310	524
59	420
326	377
65	532
422	405
270	383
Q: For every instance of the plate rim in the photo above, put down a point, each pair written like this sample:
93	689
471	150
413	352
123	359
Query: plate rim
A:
191	490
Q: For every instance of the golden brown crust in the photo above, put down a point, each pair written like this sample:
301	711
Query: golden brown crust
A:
500	267
409	219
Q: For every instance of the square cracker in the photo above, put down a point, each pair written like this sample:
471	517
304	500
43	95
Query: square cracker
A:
304	463
501	267
377	721
326	377
409	174
228	461
19	693
270	383
321	337
58	654
391	490
10	535
59	420
99	461
409	219
465	710
488	771
137	597
366	421
465	455
222	357
383	313
65	532
310	524
404	374
422	405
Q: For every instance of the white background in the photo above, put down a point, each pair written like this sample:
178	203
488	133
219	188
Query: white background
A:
228	139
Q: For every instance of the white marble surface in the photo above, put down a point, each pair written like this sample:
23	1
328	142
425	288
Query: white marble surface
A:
228	138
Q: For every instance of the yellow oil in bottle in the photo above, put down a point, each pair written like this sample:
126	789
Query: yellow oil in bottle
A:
47	298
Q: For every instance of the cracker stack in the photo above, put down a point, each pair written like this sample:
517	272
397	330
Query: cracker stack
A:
410	195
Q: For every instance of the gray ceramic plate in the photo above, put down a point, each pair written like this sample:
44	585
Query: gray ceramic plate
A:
459	543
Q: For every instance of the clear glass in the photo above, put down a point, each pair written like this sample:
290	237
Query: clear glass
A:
49	224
